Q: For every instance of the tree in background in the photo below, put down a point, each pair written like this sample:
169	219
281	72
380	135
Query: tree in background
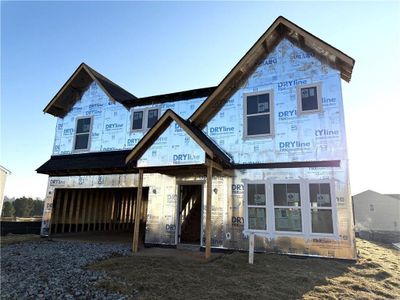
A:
37	210
8	210
23	207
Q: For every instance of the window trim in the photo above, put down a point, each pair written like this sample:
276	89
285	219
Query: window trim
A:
333	208
145	118
246	201
301	207
75	134
300	110
271	114
305	209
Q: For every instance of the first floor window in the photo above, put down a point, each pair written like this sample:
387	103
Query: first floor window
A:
309	98
321	208
258	114
82	134
287	207
257	218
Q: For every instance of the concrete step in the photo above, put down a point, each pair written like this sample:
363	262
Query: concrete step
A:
188	247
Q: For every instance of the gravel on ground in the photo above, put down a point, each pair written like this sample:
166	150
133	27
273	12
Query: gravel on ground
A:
56	269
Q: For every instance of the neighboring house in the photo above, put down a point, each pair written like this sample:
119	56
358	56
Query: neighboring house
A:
377	216
263	152
3	176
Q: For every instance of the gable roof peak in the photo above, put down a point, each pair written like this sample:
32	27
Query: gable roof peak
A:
77	84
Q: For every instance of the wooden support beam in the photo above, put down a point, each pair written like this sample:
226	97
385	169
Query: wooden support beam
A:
78	209
135	243
71	209
251	248
115	212
128	207
208	210
55	214
123	206
84	200
90	209
64	210
111	211
133	200
95	209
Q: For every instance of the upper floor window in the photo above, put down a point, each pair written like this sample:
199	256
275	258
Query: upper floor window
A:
258	114
309	98
82	134
145	118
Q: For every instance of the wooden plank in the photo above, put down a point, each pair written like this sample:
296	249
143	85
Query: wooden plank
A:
208	211
135	242
64	210
122	222
90	209
85	200
53	225
78	209
95	209
71	209
104	210
251	248
116	207
132	211
127	213
111	210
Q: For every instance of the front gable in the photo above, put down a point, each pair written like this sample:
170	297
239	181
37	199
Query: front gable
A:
173	147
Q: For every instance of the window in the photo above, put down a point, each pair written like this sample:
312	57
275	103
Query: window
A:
258	114
371	207
137	122
256	203
82	134
321	208
152	117
287	207
144	119
309	98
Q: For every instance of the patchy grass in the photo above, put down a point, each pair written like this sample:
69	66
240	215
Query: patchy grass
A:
18	238
163	275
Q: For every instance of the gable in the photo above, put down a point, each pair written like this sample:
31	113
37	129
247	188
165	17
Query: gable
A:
280	29
173	147
76	86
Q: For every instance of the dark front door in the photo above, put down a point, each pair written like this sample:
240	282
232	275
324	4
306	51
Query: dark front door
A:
190	214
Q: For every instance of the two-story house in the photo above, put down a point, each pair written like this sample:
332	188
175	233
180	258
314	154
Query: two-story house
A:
264	152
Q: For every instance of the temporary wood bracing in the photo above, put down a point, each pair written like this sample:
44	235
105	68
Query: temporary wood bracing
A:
101	209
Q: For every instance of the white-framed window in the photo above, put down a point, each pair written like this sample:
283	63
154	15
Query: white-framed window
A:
83	130
291	207
309	98
258	114
144	119
321	203
287	207
256	206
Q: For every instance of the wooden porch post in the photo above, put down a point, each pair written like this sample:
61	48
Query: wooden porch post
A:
208	209
135	246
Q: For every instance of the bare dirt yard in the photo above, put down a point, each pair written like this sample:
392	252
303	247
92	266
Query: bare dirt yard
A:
175	274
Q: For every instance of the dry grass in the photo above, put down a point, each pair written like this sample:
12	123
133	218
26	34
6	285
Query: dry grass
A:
165	276
18	238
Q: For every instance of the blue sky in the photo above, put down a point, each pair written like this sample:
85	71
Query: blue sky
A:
159	47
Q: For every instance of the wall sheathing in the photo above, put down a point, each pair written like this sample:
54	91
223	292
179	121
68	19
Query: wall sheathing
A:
112	123
308	137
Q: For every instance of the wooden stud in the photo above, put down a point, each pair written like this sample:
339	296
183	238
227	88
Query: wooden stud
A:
56	209
208	210
127	210
135	242
122	218
90	208
84	200
78	209
133	211
71	209
95	208
64	210
111	210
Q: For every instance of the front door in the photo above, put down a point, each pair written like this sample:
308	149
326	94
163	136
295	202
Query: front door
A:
189	214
